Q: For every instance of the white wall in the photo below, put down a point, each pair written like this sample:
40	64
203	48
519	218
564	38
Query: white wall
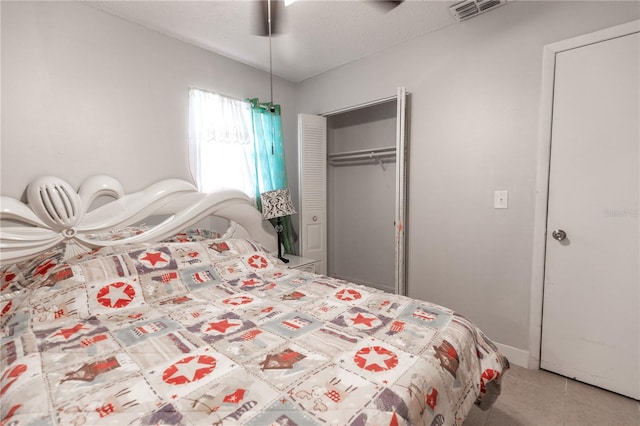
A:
84	92
474	125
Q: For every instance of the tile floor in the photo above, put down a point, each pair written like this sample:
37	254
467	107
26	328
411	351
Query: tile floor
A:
540	398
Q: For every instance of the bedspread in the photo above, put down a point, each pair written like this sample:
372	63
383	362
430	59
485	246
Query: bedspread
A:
221	332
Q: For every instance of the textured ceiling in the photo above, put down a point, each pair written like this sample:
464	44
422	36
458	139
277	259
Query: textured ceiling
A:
317	35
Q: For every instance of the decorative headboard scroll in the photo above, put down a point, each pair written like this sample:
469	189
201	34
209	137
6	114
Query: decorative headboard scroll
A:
55	212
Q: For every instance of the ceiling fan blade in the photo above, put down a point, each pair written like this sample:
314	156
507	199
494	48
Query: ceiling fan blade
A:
388	5
262	17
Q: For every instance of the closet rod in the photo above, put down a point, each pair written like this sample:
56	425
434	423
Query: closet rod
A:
364	153
370	156
361	161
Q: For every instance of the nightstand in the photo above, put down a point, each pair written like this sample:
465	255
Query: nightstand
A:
301	263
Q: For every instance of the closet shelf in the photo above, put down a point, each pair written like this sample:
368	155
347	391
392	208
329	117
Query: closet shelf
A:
364	156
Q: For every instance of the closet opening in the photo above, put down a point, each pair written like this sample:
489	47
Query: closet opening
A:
352	171
361	194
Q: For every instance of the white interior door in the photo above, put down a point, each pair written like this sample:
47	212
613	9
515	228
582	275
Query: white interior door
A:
591	322
312	172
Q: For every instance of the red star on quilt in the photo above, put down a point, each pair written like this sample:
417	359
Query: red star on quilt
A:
375	359
9	276
154	257
189	369
235	397
432	398
348	294
394	420
68	332
257	261
361	319
116	295
237	300
222	326
250	282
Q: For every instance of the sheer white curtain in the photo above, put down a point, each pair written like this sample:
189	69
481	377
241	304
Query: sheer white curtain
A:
221	152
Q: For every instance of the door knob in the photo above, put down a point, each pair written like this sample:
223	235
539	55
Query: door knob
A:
559	234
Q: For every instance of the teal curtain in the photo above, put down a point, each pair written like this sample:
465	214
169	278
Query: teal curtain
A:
270	163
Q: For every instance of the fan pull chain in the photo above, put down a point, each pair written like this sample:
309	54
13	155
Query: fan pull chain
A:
272	109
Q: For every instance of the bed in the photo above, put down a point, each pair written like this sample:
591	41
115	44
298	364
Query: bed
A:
123	309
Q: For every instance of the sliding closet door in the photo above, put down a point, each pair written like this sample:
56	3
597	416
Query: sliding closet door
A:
312	163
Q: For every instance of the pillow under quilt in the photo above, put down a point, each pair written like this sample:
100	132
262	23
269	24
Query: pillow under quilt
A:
25	274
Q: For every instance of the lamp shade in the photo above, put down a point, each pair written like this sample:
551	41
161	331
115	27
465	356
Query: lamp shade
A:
277	203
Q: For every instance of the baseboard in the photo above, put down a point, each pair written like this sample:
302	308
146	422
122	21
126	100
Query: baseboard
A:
514	355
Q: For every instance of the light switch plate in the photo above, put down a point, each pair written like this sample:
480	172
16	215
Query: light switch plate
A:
501	200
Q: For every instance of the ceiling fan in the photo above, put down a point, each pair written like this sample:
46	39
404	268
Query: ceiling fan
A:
271	10
267	25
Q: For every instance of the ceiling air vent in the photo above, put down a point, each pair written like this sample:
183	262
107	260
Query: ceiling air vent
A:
469	8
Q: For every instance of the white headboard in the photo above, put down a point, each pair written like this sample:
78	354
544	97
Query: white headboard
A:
55	212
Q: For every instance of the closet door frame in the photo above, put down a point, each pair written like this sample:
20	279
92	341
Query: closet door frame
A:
400	98
401	191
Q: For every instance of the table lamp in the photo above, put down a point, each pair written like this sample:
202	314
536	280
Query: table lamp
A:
277	204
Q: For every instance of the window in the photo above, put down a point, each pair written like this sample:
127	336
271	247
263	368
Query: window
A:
221	147
236	144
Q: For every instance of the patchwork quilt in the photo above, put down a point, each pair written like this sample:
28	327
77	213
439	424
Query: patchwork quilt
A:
215	331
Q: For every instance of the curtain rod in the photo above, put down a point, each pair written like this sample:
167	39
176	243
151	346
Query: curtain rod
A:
261	105
216	93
